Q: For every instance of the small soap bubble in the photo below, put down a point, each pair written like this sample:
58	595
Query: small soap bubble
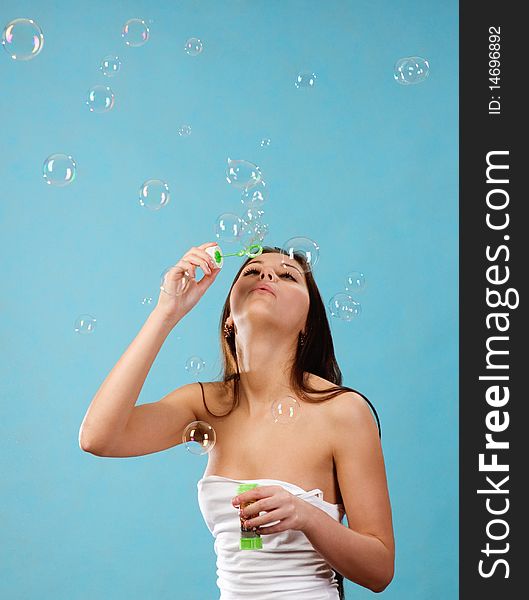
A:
199	437
59	170
305	80
85	324
242	174
22	39
194	365
110	65
355	281
100	99
252	216
135	32
257	233
174	281
154	194
255	196
147	300
184	131
193	46
411	69
265	142
285	410
342	306
229	227
254	229
305	249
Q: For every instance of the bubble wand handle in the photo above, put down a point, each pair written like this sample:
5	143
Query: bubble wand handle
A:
251	251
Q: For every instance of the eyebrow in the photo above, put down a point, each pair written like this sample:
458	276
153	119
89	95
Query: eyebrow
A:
286	265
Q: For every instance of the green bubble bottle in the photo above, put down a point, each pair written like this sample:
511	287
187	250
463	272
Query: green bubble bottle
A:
250	540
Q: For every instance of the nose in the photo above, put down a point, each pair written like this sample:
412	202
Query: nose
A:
268	274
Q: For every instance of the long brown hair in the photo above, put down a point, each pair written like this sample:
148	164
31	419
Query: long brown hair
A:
315	355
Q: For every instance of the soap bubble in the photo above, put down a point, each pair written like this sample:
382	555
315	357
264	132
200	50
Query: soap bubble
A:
147	300
174	282
255	234
85	324
184	131
254	230
411	69
285	410
229	227
110	65
135	32
305	80
255	196
59	170
199	437
265	142
100	99
305	248
252	216
355	281
242	174
194	364
154	194
342	306
193	46
22	39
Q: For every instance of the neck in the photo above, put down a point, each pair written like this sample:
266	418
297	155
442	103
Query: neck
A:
265	362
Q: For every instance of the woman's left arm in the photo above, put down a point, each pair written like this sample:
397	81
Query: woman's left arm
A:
364	552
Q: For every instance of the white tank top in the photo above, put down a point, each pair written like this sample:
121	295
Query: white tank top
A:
286	568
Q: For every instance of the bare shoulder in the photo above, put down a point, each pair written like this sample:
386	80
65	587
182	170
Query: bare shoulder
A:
348	405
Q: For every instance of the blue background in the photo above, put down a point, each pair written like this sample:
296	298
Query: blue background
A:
364	166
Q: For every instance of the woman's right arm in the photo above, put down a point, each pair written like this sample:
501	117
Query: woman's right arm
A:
108	417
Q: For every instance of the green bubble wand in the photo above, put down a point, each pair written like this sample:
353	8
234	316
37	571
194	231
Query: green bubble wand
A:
252	251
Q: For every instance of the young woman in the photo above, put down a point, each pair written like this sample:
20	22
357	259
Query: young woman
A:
277	346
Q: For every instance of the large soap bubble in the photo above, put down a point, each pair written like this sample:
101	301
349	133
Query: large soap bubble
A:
229	228
100	99
242	174
22	39
304	248
135	32
59	170
154	194
199	437
344	307
285	410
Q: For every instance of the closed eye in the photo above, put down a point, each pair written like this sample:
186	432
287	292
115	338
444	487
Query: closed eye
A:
254	270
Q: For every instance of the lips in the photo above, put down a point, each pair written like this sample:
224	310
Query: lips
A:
264	286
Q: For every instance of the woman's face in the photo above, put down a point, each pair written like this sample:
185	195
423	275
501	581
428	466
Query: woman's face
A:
287	306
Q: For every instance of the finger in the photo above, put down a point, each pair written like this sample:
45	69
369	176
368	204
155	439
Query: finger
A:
208	244
269	517
267	530
252	509
186	265
199	261
256	494
209	260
